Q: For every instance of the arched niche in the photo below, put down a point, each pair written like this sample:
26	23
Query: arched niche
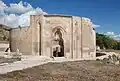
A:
58	42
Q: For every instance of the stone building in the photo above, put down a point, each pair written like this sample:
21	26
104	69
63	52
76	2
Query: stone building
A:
55	35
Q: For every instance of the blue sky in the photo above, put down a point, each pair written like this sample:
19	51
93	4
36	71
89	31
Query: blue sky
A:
105	13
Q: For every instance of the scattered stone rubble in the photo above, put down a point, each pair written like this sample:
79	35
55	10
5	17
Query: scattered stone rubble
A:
17	56
111	59
10	57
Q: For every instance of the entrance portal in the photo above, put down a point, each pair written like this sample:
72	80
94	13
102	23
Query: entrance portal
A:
58	47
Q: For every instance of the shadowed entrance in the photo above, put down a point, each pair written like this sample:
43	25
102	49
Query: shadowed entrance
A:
58	47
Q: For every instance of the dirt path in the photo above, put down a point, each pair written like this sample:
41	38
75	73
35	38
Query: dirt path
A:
67	71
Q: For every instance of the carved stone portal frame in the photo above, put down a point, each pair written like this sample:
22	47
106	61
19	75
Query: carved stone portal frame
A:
62	30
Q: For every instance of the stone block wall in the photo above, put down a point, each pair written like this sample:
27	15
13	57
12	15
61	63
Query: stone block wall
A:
77	33
88	39
20	38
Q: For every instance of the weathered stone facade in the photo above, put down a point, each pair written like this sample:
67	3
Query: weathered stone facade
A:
55	35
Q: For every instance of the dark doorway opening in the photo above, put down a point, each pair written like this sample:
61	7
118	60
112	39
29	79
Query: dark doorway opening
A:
58	48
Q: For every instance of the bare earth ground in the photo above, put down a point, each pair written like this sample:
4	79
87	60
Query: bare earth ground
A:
5	60
111	50
67	71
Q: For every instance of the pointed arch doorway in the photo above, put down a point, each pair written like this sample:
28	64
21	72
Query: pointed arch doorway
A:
57	43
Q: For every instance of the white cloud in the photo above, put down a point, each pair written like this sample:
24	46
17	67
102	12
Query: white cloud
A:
21	7
95	26
23	19
2	7
113	35
10	20
110	33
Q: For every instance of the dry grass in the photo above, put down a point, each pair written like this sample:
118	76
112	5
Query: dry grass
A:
67	71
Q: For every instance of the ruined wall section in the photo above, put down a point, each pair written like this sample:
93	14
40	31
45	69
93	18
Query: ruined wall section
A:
93	53
88	39
21	39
